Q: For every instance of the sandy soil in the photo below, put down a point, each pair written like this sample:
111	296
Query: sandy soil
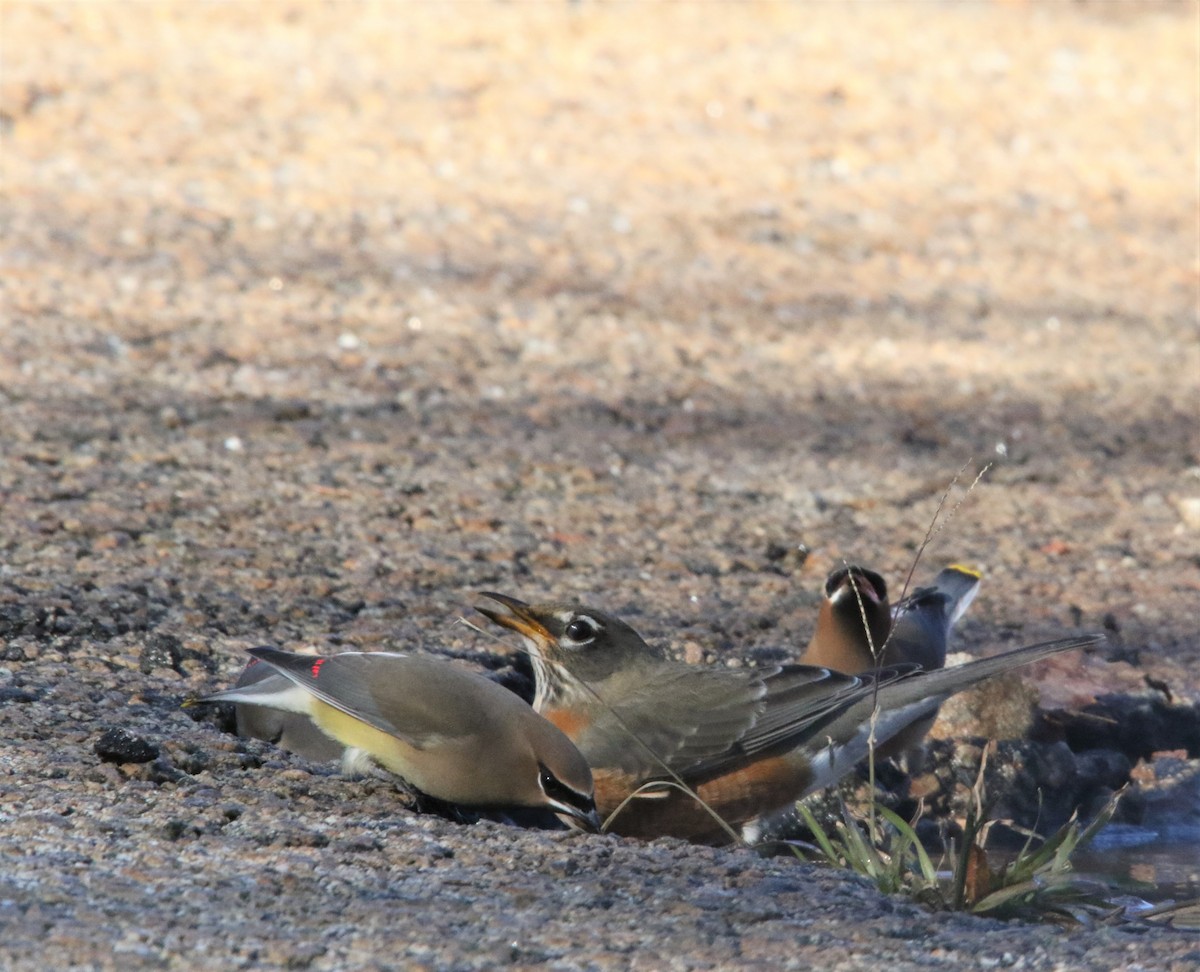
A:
316	319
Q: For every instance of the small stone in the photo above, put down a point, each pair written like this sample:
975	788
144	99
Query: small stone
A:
1189	511
122	746
924	786
161	651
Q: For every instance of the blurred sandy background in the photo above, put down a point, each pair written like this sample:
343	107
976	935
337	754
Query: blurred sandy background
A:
316	318
658	286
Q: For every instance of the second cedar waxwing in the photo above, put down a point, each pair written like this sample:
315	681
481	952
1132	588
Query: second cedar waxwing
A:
923	621
916	631
748	741
842	641
454	735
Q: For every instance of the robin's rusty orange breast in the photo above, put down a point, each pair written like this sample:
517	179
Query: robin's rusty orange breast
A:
572	722
736	797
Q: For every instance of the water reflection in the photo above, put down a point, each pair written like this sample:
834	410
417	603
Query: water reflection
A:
1158	863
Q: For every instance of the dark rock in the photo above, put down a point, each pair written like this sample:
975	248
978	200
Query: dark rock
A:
122	746
1103	768
161	651
1136	725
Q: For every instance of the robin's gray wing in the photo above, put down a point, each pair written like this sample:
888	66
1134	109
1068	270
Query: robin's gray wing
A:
802	703
801	700
937	686
845	737
698	721
671	713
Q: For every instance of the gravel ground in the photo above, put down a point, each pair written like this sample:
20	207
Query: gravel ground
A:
317	318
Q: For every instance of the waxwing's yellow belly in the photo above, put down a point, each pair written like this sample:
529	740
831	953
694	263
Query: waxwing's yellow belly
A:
455	770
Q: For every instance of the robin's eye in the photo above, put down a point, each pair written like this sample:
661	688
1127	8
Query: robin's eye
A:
581	630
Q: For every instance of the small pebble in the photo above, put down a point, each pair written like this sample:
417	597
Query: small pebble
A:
122	746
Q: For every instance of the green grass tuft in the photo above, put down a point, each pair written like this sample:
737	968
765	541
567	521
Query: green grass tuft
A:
1038	884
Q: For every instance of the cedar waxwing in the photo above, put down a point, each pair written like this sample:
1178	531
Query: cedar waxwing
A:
750	742
923	621
917	630
841	641
454	735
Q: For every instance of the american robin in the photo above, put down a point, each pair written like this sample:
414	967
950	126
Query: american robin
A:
857	632
749	742
454	735
293	731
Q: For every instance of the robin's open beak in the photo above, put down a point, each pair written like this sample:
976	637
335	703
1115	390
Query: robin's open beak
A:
518	617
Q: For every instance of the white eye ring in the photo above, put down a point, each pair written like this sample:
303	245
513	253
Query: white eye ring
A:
581	630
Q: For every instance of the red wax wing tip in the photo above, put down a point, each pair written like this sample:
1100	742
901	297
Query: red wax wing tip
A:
316	669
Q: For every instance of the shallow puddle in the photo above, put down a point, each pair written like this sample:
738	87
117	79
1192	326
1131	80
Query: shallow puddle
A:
1156	864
